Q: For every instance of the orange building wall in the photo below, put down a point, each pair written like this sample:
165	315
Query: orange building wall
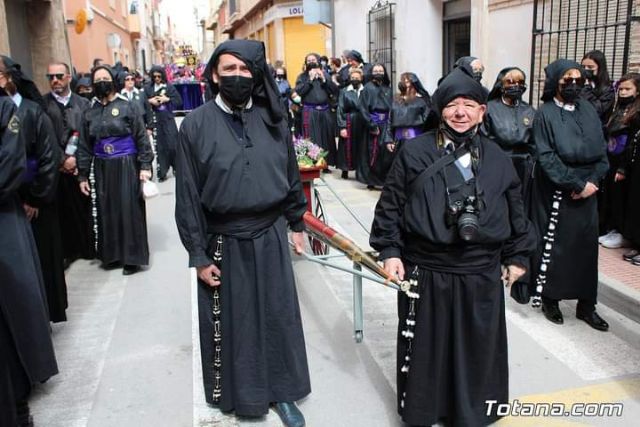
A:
92	43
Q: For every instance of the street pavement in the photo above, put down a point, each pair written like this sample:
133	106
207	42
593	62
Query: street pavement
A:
128	354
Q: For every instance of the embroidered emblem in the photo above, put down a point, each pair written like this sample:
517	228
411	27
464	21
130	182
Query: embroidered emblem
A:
109	148
526	121
115	112
14	124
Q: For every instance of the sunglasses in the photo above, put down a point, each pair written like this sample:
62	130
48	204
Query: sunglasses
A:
572	80
58	76
157	76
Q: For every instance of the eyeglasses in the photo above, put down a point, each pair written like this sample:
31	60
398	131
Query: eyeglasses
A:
572	80
157	76
58	76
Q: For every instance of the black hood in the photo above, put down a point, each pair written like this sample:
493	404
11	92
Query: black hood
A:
265	90
158	69
554	73
464	63
26	88
457	83
415	81
386	80
354	54
496	91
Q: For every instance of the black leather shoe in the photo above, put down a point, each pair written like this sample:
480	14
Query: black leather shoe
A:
345	175
130	269
594	320
290	414
553	313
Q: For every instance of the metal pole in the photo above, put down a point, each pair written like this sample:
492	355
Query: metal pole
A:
333	29
358	322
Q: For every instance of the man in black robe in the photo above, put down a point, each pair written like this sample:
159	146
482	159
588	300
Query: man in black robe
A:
238	188
164	99
26	350
449	216
65	110
40	183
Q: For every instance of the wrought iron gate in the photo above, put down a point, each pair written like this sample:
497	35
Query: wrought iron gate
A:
571	28
382	35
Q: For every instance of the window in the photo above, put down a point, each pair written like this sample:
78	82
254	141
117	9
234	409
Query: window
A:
457	41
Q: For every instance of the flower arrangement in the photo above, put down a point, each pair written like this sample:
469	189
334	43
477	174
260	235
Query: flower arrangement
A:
309	154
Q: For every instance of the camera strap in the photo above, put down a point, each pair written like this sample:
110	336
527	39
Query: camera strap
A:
436	166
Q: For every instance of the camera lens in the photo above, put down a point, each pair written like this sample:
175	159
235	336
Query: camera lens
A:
467	226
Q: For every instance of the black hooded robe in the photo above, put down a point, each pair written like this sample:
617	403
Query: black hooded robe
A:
373	159
26	350
241	184
409	118
121	214
318	121
459	351
163	122
349	118
39	192
76	224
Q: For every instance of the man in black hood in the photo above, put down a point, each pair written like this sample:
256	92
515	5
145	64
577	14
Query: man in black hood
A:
164	99
354	60
237	191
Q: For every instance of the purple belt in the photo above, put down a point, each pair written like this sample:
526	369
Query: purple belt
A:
31	171
407	133
316	107
115	146
380	117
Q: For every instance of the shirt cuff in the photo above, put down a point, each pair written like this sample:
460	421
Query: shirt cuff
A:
297	226
390	252
199	260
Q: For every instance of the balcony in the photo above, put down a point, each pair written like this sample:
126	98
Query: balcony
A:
134	26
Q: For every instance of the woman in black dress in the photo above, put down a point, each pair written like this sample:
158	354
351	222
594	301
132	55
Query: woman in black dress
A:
572	159
411	110
114	139
350	123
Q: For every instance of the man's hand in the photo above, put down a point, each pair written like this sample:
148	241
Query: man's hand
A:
391	147
31	212
344	133
155	101
145	175
589	190
209	274
394	267
619	177
85	188
69	165
297	237
511	274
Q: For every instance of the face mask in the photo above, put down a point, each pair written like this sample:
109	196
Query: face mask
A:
356	83
402	87
570	92
514	92
377	78
589	74
102	89
477	75
626	100
458	137
236	90
88	95
280	77
312	66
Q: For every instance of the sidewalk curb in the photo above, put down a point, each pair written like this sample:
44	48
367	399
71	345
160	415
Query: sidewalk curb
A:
619	297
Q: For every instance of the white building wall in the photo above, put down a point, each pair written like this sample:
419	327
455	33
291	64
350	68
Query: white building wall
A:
510	41
351	25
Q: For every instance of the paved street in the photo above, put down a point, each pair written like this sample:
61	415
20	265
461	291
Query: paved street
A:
128	354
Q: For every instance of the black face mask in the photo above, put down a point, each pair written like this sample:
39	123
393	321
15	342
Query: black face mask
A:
312	65
589	75
377	78
626	100
458	138
570	92
402	87
514	93
88	95
355	83
477	76
102	89
236	90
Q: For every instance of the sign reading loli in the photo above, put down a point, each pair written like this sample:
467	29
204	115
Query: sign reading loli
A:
286	10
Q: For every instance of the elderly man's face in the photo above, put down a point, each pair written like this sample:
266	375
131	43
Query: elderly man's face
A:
462	114
229	65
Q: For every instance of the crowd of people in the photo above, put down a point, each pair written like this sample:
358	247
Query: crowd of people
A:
476	186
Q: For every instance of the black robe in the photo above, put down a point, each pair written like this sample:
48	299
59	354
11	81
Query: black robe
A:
349	118
631	167
318	121
74	208
39	192
163	123
244	190
140	100
373	157
121	215
344	78
409	115
602	99
26	350
571	150
459	357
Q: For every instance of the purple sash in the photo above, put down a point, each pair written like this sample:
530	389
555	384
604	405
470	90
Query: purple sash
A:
31	171
617	144
115	146
316	107
407	133
380	117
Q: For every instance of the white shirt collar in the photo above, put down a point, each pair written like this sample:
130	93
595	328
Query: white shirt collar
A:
351	88
64	100
17	99
158	87
224	107
564	106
